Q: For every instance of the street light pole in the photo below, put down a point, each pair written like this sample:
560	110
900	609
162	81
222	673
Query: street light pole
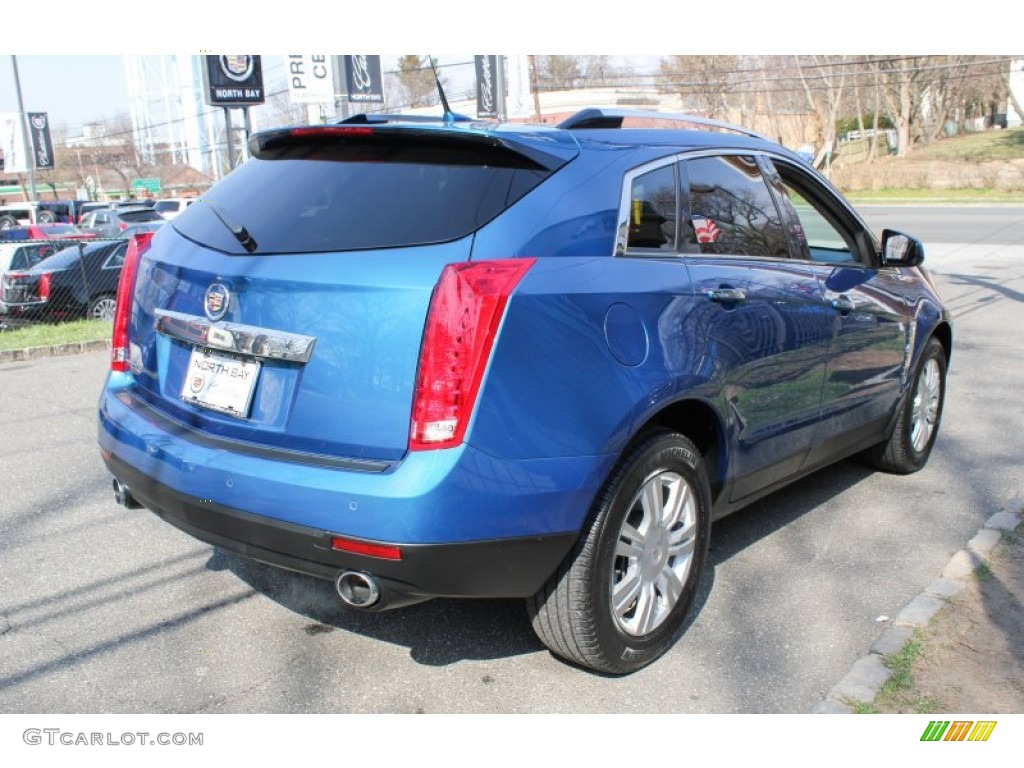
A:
30	160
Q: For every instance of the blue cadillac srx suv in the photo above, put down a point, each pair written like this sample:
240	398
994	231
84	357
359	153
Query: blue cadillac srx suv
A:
471	359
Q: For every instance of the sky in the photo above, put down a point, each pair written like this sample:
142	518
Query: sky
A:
72	89
64	75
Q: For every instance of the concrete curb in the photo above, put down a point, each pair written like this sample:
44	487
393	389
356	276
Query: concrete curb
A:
56	350
864	681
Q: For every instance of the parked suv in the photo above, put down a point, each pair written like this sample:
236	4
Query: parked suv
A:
110	222
484	360
42	212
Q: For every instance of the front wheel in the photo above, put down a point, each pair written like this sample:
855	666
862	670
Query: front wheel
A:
910	444
618	601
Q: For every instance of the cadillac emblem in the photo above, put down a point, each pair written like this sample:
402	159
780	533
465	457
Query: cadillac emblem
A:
238	68
216	301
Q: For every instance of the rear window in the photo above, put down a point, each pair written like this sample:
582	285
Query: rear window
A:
379	190
30	255
137	216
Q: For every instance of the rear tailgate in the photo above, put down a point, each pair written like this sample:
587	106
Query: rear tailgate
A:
286	308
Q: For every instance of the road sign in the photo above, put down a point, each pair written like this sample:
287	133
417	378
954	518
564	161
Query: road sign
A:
152	186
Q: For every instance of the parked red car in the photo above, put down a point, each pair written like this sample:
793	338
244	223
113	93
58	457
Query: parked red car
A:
47	232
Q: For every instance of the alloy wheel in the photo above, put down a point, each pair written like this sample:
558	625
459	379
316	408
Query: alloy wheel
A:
653	553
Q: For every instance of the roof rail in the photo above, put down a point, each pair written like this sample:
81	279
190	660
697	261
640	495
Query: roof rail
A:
369	118
612	118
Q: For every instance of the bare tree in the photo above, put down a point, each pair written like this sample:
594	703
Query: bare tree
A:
558	73
597	70
703	81
417	80
822	79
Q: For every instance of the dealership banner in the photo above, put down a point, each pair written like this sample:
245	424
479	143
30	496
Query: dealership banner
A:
42	144
233	81
310	80
486	86
12	142
519	99
363	79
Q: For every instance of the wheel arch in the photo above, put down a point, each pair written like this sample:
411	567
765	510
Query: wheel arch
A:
944	333
698	421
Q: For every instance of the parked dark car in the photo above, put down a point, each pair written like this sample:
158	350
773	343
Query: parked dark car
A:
466	359
78	281
17	257
109	222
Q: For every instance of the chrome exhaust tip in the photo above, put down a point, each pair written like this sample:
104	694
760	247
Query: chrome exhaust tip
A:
357	590
124	497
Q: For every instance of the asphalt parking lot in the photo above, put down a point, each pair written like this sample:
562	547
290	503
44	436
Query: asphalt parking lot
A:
104	609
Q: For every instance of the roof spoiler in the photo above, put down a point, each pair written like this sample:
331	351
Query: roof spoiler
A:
593	118
371	118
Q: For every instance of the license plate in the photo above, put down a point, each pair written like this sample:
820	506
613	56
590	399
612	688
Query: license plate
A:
220	382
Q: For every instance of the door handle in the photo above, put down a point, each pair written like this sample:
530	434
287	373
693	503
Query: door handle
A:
726	295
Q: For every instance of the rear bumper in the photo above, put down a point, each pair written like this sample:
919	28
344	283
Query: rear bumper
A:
468	525
499	568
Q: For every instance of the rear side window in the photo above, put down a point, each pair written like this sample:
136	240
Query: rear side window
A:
374	191
69	256
652	210
732	211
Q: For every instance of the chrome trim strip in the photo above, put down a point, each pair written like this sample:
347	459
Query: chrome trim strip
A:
182	431
235	337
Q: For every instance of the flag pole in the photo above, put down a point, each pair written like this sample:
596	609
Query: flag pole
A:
30	160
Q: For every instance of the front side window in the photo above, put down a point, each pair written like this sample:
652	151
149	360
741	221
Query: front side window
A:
732	211
817	233
652	210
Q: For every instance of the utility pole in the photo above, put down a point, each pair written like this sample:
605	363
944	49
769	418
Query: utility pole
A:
30	160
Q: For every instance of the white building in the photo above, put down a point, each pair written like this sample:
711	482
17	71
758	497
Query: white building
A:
1017	88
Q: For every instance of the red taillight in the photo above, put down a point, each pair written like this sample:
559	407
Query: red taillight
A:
44	285
465	312
121	226
385	551
332	130
137	246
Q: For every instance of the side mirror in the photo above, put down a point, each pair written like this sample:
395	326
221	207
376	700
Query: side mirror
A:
900	250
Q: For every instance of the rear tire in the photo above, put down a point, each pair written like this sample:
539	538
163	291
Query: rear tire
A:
46	217
102	307
910	444
618	601
8	222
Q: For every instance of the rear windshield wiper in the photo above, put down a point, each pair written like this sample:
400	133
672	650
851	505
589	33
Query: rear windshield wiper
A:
241	233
